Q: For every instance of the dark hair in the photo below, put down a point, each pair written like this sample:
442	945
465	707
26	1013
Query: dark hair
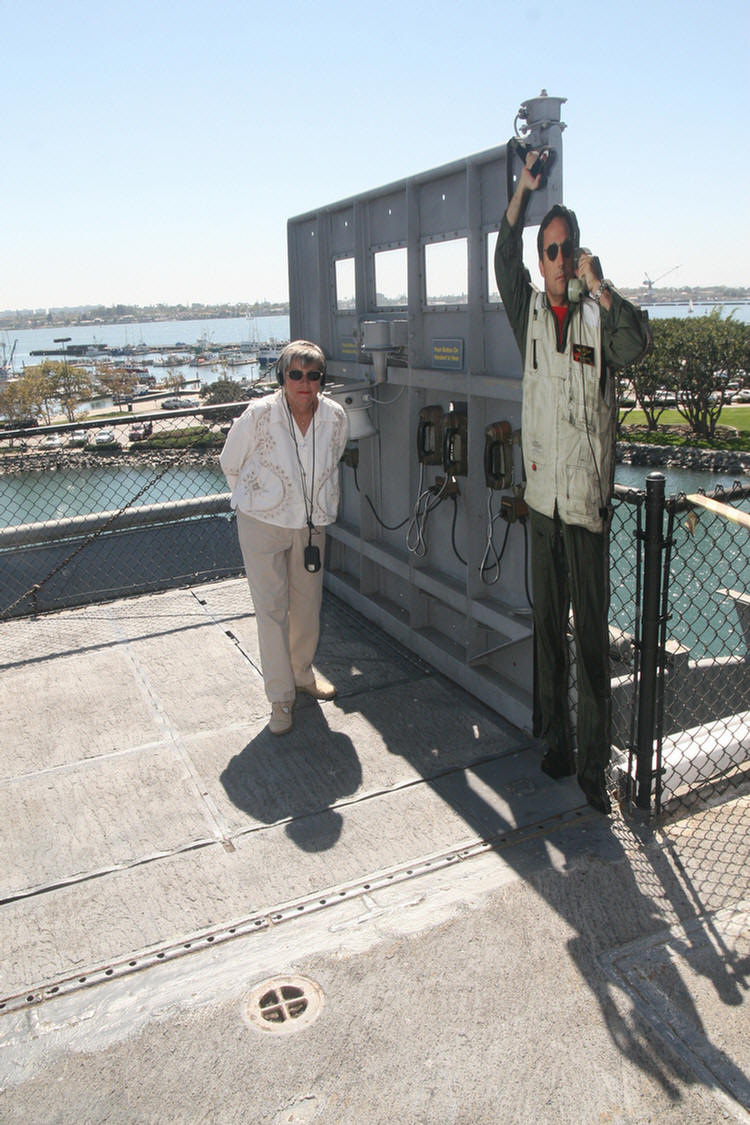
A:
568	217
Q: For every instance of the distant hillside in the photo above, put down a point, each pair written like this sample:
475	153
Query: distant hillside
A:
699	295
124	314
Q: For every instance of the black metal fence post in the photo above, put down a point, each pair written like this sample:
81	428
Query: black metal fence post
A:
648	683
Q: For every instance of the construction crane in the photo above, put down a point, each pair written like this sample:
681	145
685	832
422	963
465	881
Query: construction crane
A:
650	284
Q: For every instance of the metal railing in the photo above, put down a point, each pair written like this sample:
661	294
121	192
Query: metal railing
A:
87	517
100	509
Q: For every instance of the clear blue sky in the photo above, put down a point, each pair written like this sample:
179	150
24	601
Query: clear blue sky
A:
154	150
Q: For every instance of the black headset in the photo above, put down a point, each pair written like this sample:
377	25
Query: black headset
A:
280	361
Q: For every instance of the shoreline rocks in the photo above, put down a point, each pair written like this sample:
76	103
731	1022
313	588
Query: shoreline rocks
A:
627	453
152	459
684	457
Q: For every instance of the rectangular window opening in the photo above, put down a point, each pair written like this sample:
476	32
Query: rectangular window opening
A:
345	284
391	277
446	271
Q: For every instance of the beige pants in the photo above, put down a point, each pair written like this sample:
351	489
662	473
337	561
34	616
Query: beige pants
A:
287	600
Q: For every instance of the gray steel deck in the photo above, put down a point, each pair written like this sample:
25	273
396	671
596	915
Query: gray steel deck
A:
489	948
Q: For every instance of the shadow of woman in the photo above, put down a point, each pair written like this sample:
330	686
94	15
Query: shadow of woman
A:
296	780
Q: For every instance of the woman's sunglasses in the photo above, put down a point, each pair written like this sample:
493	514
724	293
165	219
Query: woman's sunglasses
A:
312	376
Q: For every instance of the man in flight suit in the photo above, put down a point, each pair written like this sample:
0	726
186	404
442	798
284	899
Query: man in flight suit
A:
568	421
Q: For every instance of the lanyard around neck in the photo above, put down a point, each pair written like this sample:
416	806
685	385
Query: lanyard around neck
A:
308	500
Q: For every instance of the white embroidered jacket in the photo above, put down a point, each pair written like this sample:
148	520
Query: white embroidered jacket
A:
269	467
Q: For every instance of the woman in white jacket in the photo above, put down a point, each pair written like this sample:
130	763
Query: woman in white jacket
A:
281	460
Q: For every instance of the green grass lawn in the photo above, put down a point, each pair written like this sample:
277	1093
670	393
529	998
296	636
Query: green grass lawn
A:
673	429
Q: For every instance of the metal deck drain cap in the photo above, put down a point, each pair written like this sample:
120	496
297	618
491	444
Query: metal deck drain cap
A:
284	1004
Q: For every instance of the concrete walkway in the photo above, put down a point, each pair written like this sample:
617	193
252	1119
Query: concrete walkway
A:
440	933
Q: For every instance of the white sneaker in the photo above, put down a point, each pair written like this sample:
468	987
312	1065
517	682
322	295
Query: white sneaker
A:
281	718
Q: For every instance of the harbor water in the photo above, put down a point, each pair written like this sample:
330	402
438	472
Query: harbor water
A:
71	492
240	331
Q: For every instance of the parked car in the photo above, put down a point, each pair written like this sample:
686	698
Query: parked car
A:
140	430
743	395
171	404
51	441
104	437
189	404
78	437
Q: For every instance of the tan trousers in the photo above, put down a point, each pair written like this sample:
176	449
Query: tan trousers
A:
287	600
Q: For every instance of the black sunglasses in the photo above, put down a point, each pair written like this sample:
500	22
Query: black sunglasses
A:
312	376
566	247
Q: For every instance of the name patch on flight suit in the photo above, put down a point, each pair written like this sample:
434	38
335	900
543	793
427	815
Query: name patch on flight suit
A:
583	353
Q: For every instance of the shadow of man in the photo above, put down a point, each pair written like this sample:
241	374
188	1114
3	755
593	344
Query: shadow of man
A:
589	870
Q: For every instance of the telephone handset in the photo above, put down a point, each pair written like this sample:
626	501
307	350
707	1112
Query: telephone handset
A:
430	435
498	455
576	287
455	429
544	161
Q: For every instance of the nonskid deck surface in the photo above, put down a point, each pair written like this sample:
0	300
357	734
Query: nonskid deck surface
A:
400	848
144	799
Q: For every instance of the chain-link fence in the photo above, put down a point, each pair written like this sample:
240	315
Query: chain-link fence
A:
626	568
703	734
135	503
680	631
96	510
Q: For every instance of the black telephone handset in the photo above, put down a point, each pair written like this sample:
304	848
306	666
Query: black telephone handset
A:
544	161
498	455
430	435
454	443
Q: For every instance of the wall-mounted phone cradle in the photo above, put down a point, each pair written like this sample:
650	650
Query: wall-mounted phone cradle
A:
442	438
455	443
430	435
498	455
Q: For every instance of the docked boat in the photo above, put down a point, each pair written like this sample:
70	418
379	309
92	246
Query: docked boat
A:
236	358
268	353
170	361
